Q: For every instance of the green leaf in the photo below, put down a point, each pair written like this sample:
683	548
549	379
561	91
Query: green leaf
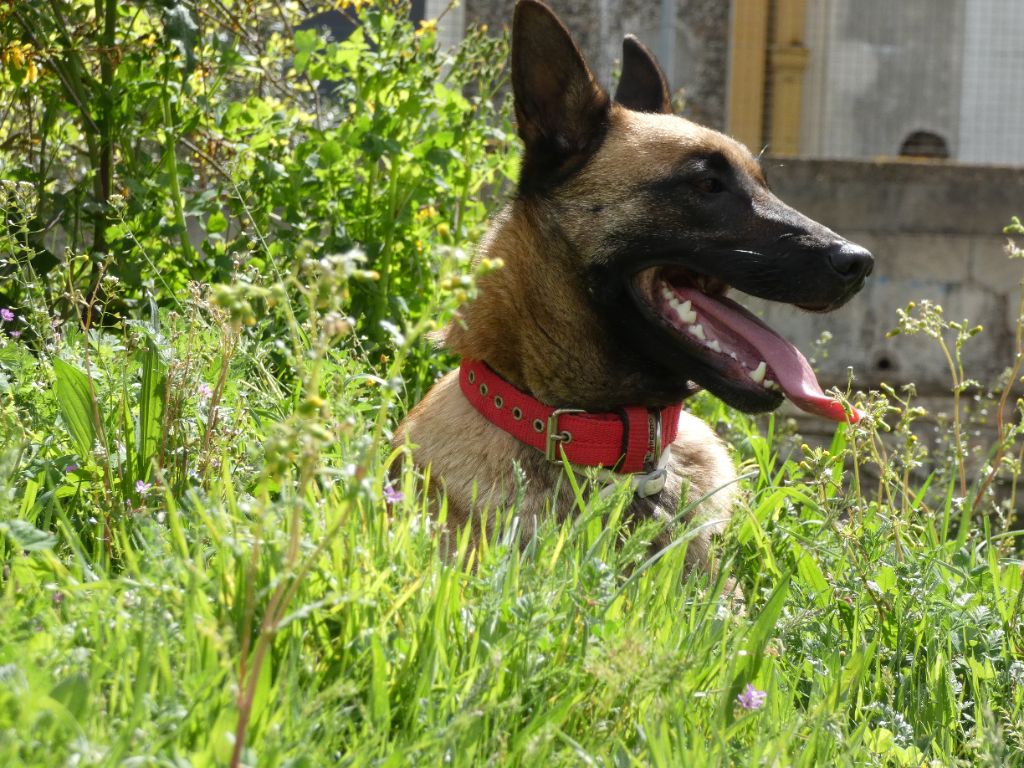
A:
885	578
263	695
28	499
26	536
983	670
330	153
73	693
75	402
760	632
380	706
306	40
151	407
764	626
216	223
852	672
810	574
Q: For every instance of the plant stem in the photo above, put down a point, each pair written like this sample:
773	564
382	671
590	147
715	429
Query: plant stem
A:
386	246
1001	436
171	161
957	437
106	10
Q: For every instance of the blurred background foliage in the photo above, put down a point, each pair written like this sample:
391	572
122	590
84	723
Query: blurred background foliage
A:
172	141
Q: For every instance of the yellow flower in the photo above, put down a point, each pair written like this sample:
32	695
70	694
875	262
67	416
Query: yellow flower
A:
427	26
17	54
355	5
20	56
426	213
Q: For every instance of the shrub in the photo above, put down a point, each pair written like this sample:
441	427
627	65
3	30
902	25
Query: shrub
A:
171	143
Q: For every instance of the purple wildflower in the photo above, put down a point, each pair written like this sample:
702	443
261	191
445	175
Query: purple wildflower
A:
141	486
15	334
205	393
6	315
70	468
392	496
751	698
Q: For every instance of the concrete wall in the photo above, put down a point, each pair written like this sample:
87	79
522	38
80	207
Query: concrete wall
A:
935	230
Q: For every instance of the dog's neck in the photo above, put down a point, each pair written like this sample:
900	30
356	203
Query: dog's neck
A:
521	316
538	328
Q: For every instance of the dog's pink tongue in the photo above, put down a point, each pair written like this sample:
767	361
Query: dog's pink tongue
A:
788	365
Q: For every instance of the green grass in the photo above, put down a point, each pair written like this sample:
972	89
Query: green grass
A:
197	563
262	588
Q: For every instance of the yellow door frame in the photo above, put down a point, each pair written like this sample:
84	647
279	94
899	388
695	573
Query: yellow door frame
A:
767	58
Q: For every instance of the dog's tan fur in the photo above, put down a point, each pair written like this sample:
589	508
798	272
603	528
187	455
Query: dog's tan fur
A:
532	324
474	462
539	321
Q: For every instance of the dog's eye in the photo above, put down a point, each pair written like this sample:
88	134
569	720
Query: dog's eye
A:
710	185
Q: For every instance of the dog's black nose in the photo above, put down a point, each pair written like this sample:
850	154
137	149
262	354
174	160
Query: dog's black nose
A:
851	261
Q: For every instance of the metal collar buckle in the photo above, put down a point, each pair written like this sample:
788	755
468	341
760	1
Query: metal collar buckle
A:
553	437
654	446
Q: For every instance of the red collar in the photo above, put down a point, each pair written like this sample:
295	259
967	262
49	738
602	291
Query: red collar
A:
628	440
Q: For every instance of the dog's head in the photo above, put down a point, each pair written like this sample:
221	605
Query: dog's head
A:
659	217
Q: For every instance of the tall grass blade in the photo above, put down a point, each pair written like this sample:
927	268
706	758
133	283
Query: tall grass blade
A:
151	407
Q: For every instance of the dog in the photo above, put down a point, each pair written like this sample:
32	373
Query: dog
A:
628	226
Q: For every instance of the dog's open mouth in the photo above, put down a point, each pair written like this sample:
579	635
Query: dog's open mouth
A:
732	341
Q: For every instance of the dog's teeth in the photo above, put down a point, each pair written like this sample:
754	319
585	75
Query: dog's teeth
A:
685	312
697	331
733	356
758	373
769	384
714	346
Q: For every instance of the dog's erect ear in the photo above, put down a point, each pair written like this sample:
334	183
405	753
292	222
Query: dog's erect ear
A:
561	111
643	86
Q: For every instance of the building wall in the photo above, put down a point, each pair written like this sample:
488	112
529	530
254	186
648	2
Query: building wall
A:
992	111
879	71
